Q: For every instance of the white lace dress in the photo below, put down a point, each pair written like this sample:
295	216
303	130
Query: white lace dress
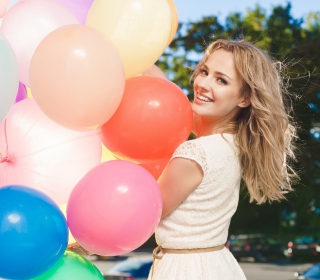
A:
203	219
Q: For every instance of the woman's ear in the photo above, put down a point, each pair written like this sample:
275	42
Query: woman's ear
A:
245	102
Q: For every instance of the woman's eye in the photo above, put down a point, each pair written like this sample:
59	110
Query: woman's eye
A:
222	81
203	72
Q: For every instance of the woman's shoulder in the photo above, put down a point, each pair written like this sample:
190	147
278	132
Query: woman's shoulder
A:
206	145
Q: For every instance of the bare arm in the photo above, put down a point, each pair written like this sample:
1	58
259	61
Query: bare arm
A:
179	179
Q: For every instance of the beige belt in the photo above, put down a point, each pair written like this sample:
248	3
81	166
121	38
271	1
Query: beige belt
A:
158	252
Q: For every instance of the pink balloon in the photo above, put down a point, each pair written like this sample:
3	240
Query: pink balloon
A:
80	9
114	208
22	93
27	22
3	7
37	152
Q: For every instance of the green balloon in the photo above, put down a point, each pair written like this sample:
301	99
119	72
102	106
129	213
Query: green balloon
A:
72	267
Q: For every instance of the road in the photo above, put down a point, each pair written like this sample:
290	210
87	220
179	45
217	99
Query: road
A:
281	270
267	271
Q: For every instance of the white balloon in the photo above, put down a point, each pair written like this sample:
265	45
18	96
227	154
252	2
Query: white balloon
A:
9	77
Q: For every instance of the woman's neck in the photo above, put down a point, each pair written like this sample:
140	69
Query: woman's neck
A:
209	128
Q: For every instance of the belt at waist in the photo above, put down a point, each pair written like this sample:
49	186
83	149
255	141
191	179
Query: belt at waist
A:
158	252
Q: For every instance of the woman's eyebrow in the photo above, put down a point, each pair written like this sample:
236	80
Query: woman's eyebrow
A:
217	72
222	74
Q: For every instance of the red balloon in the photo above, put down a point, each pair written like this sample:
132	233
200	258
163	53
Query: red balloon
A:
156	168
153	119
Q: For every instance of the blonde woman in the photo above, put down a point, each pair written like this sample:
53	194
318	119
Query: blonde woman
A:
243	132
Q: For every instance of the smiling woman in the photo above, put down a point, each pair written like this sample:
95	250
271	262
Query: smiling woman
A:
217	91
243	133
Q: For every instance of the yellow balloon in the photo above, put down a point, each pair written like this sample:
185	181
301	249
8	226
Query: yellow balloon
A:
63	208
29	94
140	29
174	22
107	155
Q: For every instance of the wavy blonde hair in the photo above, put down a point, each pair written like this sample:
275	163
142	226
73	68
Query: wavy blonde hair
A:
263	131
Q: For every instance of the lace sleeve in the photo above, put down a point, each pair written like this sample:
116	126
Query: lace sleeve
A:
192	150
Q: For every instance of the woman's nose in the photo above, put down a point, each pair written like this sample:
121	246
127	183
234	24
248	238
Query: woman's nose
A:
204	84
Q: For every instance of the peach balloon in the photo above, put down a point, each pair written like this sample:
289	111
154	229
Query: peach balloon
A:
139	29
27	22
155	71
77	77
174	22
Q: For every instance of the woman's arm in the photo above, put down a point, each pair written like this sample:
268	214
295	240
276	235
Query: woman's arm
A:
179	179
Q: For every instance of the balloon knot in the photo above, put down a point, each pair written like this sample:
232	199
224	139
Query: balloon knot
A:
5	159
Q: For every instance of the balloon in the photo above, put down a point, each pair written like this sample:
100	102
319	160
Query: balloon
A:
3	7
37	18
22	93
63	208
140	30
29	94
174	22
78	8
153	119
33	232
114	208
156	168
9	77
76	77
106	155
154	70
44	155
72	267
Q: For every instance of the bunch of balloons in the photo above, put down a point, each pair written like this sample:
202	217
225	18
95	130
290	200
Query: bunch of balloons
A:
87	125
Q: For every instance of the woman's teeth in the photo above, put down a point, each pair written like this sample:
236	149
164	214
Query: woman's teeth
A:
204	98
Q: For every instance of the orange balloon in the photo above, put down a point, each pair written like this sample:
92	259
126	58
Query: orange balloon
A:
77	77
153	119
156	168
174	22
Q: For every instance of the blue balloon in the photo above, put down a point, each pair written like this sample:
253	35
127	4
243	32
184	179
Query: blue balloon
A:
33	233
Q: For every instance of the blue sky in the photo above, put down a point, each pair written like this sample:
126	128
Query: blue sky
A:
195	9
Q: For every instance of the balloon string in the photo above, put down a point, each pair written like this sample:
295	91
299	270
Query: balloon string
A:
5	158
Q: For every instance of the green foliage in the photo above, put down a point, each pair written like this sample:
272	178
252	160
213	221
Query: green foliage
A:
296	44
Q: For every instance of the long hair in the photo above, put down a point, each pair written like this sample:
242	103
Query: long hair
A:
264	131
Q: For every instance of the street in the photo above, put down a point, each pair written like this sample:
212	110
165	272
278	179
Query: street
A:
281	270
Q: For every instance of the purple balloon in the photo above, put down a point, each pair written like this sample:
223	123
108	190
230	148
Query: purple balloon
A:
79	8
22	92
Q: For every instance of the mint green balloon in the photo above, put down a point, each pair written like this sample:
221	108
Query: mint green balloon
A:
9	77
72	267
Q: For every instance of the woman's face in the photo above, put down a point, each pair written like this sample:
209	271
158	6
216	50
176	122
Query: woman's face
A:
217	89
